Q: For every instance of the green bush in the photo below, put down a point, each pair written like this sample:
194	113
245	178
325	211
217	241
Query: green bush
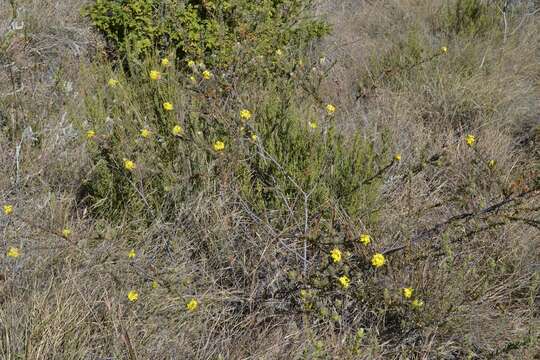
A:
209	31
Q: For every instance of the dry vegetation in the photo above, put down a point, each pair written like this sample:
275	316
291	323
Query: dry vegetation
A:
248	231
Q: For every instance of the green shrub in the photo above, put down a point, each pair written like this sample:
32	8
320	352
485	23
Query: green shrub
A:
210	31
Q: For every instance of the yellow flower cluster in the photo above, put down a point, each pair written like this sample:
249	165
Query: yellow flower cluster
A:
132	254
378	260
133	295
470	139
192	305
90	134
335	254
13	252
66	232
155	75
167	106
145	133
177	130
365	239
330	109
407	292
165	62
219	145
344	281
207	75
129	165
245	114
8	209
112	82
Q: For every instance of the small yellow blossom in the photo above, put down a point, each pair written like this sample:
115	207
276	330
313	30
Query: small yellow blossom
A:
177	130
207	75
167	106
444	49
192	79
279	52
133	295
145	133
190	63
344	281
397	157
165	62
365	239
470	139
219	145
492	163
253	137
330	109
304	294
155	75
8	209
112	82
407	292
335	254
313	124
417	303
13	252
192	305
66	232
132	253
154	284
90	134
129	165
245	114
378	260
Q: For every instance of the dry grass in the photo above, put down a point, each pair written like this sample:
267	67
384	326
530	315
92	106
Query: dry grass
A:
66	299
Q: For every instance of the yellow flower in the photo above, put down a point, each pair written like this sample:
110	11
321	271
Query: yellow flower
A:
365	239
330	109
90	134
245	114
112	82
192	78
154	284
397	157
279	52
8	209
145	133
165	62
66	232
191	63
129	165
335	254
407	292
312	124
132	253
470	139
155	75
192	305
444	49
254	137
219	145
177	130
378	260
13	252
133	295
417	303
167	106
344	281
207	75
492	163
